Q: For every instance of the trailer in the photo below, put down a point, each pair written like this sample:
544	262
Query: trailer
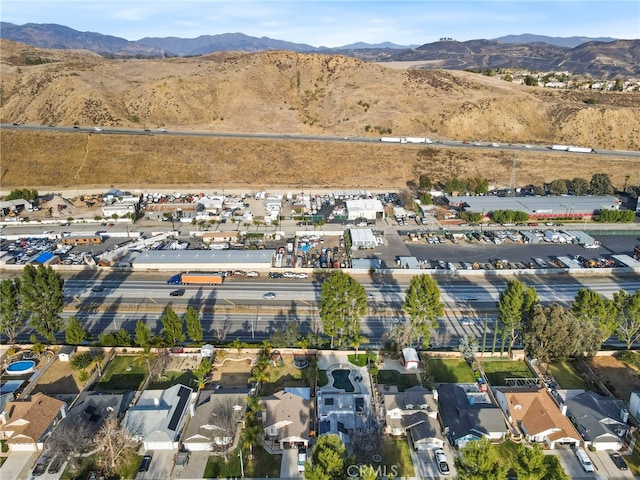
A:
197	278
560	147
416	140
393	140
580	150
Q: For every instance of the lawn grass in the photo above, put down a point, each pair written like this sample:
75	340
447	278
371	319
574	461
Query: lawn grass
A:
117	378
286	375
508	451
566	376
361	361
262	465
497	370
323	379
395	452
130	469
86	465
402	381
633	460
449	370
169	379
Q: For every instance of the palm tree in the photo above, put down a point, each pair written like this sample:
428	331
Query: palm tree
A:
201	374
358	340
250	437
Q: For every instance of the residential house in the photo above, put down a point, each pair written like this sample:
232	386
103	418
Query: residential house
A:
26	423
158	417
88	413
413	412
467	413
346	414
601	420
537	415
215	422
285	419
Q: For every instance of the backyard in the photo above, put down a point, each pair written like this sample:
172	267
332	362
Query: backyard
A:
125	372
262	465
498	370
565	375
60	378
448	370
285	374
400	380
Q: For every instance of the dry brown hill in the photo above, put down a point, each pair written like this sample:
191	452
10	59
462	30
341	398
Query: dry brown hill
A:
289	93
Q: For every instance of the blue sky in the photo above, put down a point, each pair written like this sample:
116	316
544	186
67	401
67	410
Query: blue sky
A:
334	23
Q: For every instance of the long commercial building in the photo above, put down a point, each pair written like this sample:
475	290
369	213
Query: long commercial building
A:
537	207
204	260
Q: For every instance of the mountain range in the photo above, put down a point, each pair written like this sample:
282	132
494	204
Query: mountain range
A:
599	57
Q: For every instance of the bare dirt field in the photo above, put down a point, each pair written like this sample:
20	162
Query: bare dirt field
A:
233	371
620	379
59	379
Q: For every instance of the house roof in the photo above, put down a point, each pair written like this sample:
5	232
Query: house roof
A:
595	415
537	412
465	418
159	411
425	429
415	398
204	421
30	418
288	412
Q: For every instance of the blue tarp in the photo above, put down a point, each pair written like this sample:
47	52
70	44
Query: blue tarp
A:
44	257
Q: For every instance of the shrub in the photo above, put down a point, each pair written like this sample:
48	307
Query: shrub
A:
80	361
83	376
628	358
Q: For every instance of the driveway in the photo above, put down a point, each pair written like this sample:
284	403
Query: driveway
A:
160	466
195	468
289	464
19	465
606	468
425	466
571	465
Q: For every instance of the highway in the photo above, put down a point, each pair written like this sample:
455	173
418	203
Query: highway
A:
103	130
237	310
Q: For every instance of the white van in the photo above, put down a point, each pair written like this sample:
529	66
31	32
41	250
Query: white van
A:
584	460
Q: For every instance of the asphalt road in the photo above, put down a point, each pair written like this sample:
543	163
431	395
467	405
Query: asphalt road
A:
102	130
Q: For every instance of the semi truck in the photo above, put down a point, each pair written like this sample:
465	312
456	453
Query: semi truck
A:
393	140
570	148
197	278
418	140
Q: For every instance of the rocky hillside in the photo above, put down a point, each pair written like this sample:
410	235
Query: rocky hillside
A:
302	93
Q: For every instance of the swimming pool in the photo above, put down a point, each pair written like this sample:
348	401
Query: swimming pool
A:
21	367
341	380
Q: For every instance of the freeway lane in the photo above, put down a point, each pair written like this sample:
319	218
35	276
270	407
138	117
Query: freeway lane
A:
105	130
384	290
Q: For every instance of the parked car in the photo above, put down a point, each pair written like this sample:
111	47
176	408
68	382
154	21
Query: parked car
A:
177	293
289	275
618	461
303	275
253	274
275	275
176	349
56	464
239	273
441	462
144	465
302	459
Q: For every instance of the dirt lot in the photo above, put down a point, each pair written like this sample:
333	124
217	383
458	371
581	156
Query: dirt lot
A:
233	371
59	379
618	377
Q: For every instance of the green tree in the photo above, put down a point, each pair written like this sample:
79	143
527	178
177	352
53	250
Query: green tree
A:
43	297
423	306
424	182
12	317
601	184
143	335
579	186
343	301
597	317
552	333
558	187
172	327
515	302
328	459
627	328
194	325
356	341
202	373
478	460
555	471
530	463
75	333
122	337
289	336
